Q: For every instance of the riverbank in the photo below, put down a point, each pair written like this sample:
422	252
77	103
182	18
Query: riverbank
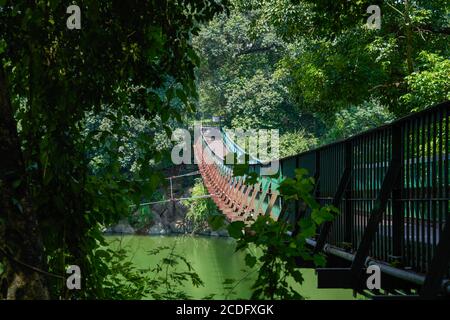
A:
179	227
158	215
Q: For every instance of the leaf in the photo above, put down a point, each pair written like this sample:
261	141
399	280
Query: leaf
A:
251	178
300	173
240	169
333	209
193	56
235	229
287	187
307	228
319	260
182	96
320	216
102	254
250	260
298	276
168	130
216	221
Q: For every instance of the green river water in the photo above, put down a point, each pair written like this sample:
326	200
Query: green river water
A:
214	260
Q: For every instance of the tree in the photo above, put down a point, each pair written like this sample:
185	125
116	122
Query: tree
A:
430	84
357	119
131	57
239	78
292	143
336	61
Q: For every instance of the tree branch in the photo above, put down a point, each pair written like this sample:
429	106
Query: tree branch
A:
386	85
427	28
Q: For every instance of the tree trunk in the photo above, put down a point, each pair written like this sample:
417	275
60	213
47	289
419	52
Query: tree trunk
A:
409	39
21	248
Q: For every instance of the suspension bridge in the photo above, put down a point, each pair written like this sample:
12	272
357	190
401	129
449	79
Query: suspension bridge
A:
391	185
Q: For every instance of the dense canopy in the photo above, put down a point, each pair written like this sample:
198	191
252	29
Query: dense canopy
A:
86	115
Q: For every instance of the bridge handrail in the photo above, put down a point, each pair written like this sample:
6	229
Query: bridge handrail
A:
234	147
391	184
419	114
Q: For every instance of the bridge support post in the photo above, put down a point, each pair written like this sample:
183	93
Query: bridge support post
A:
342	186
300	207
376	215
439	265
348	227
398	214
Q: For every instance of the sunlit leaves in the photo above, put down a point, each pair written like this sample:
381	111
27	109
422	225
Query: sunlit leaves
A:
292	143
429	85
202	211
279	250
334	62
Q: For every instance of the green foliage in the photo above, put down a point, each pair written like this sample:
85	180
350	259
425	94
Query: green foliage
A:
243	170
171	274
271	63
200	209
277	265
292	143
235	229
357	119
430	85
255	102
115	137
328	75
80	100
124	281
334	61
94	107
237	77
142	217
240	169
288	18
216	221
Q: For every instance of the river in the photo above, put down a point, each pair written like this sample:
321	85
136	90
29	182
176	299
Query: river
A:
214	259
